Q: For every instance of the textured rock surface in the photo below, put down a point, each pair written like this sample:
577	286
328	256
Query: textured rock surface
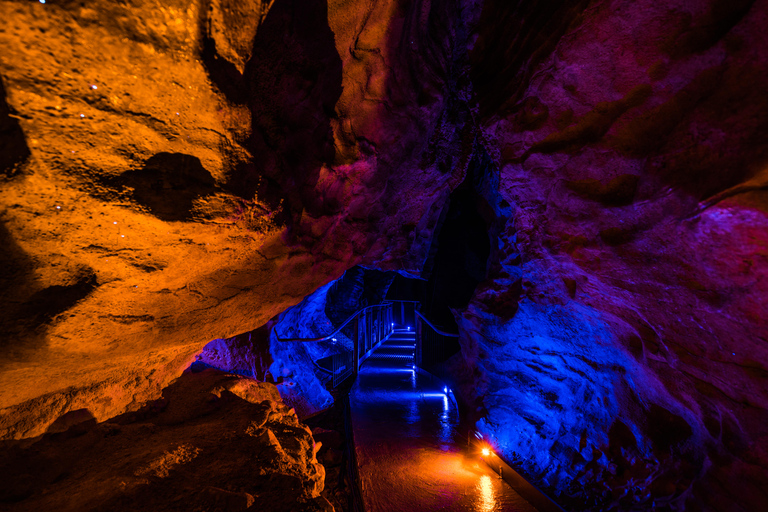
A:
212	442
631	140
124	247
177	172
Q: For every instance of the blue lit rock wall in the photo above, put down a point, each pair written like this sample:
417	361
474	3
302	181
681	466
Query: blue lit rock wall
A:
261	355
562	402
301	384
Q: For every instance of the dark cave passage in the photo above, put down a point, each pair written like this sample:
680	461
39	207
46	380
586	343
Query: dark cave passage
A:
460	253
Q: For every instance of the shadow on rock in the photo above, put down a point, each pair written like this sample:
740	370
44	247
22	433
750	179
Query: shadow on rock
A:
168	185
13	143
28	305
294	80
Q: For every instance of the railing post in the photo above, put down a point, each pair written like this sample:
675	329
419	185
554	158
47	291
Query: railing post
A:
356	344
417	357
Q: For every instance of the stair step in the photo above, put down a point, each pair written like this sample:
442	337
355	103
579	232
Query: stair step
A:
393	357
408	353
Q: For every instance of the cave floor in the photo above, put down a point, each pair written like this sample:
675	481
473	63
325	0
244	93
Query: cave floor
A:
410	452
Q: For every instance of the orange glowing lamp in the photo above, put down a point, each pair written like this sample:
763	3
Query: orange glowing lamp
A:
486	452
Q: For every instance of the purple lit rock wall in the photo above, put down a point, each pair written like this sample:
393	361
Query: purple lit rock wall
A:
629	369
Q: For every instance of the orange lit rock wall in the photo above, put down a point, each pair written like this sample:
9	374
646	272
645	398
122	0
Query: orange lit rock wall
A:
183	171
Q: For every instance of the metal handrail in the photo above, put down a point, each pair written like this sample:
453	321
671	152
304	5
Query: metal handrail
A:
334	333
438	331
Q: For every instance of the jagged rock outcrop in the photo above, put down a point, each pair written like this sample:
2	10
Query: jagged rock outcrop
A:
214	441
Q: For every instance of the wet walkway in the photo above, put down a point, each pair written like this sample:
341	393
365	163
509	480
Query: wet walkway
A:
410	454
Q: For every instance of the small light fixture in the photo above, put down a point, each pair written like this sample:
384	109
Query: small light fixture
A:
486	452
445	390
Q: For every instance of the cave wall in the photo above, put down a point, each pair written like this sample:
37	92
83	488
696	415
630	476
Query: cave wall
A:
128	247
177	175
174	174
617	351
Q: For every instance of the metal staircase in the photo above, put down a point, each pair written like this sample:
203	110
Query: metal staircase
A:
374	336
399	348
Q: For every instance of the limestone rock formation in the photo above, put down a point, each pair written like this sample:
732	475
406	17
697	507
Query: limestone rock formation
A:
214	441
263	354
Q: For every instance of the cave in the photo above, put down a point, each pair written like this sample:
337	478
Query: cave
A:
397	255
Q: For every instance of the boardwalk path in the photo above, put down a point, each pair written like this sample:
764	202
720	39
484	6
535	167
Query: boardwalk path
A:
410	454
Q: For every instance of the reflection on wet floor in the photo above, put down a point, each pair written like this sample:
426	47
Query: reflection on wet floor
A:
410	453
